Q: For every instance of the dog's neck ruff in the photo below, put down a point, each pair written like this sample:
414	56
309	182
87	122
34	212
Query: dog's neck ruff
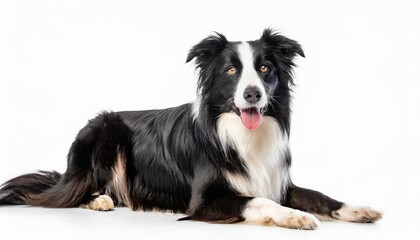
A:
263	151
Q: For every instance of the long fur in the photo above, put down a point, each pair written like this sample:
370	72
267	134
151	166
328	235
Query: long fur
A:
197	158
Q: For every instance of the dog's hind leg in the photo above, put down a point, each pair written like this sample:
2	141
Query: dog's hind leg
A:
95	161
108	162
326	208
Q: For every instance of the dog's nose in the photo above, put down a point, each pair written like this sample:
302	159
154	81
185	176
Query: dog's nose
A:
252	94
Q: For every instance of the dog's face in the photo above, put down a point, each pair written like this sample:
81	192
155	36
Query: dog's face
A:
244	77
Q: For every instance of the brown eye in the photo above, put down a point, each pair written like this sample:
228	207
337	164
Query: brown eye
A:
232	71
264	69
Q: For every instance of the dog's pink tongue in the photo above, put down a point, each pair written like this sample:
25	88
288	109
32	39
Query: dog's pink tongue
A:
251	118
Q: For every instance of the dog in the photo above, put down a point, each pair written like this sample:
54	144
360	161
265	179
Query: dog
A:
223	158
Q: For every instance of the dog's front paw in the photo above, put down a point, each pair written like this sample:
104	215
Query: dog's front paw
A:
262	211
357	214
297	220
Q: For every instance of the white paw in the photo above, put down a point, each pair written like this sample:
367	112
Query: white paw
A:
357	214
297	220
101	203
262	211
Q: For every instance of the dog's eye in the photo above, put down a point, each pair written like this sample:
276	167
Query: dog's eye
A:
232	71
264	69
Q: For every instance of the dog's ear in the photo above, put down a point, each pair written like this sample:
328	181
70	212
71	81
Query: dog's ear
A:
281	45
204	54
207	48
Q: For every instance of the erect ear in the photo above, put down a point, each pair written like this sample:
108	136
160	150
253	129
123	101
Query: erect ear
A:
207	48
282	45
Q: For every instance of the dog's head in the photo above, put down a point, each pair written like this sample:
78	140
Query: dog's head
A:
251	78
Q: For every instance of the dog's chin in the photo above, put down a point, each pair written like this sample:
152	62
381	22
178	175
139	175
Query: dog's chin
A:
251	116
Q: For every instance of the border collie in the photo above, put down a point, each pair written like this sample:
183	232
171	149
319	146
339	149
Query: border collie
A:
223	158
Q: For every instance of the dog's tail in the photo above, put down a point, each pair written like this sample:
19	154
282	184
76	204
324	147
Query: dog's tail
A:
20	190
46	189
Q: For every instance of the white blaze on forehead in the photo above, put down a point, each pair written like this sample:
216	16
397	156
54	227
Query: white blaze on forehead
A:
248	78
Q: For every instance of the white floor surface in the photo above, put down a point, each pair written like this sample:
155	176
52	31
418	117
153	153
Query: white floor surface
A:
23	222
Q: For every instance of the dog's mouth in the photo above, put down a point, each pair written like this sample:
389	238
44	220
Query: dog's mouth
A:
250	117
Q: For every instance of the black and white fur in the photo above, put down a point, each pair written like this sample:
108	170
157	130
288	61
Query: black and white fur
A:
202	159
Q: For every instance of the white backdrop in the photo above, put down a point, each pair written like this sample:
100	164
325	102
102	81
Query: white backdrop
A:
356	120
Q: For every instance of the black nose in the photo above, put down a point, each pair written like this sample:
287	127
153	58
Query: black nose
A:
252	94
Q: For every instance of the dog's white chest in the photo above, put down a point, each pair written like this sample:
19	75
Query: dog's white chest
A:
263	151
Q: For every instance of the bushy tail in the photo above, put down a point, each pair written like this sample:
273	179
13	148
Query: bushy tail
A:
19	190
47	189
